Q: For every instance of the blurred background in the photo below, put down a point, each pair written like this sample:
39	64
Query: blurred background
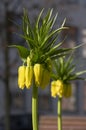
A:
15	104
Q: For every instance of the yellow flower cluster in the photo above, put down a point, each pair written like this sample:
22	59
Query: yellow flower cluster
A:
58	88
26	73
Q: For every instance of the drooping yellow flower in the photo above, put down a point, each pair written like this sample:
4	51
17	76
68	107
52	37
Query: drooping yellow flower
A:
53	89
38	71
42	75
67	90
29	76
57	88
21	76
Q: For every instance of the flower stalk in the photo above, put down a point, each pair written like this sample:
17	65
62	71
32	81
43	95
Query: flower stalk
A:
59	111
35	107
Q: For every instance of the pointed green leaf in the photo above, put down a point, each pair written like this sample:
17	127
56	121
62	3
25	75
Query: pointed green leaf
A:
37	23
57	31
81	72
68	63
63	23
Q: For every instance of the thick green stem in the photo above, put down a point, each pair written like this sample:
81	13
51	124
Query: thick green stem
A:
35	107
59	110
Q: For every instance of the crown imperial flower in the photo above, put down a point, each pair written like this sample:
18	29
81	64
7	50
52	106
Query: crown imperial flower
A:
21	76
38	70
57	88
29	76
42	75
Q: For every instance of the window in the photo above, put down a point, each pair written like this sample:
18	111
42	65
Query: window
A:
70	36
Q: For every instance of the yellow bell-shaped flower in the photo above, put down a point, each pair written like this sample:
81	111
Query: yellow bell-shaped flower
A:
29	76
67	90
38	71
21	76
57	88
53	89
42	75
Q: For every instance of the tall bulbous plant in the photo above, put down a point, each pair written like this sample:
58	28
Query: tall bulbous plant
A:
63	73
42	49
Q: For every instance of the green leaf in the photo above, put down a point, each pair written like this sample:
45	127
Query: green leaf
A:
48	16
27	28
70	69
63	23
37	23
81	72
68	64
54	51
74	77
61	65
59	55
23	52
57	31
76	47
46	27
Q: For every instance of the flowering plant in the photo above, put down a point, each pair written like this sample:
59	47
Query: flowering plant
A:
42	49
64	73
